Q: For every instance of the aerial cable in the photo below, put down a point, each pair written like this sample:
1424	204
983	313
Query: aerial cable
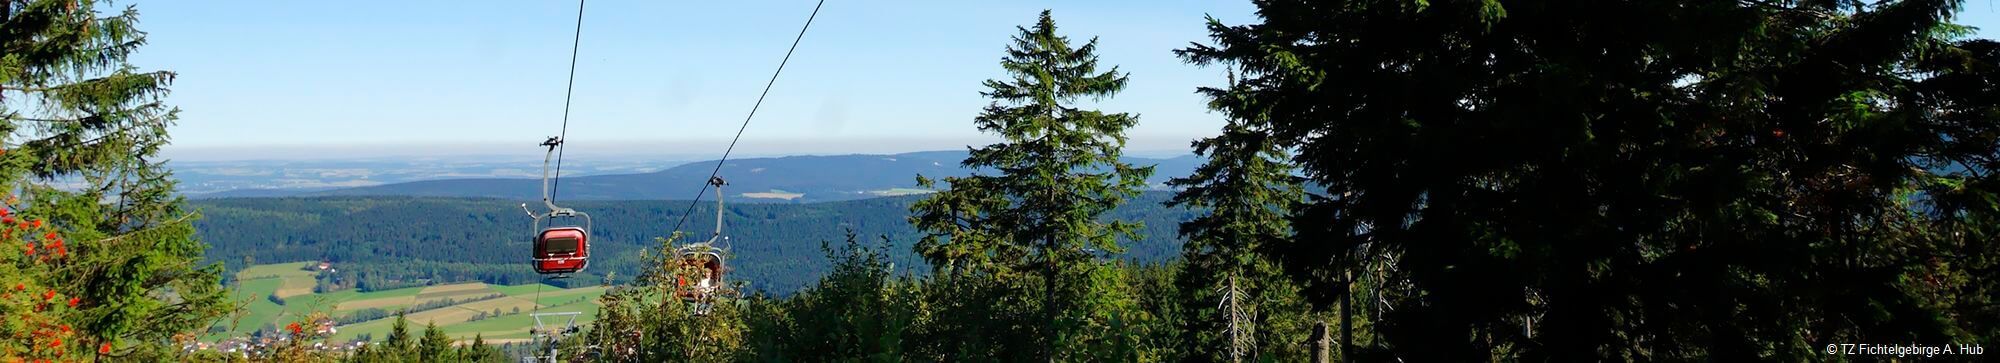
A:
570	89
746	119
538	300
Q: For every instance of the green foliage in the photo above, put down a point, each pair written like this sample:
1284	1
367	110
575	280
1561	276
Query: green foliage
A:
399	346
1038	221
858	312
479	352
78	113
977	318
1156	290
863	311
398	343
1503	180
1047	189
1633	180
1248	189
645	321
435	346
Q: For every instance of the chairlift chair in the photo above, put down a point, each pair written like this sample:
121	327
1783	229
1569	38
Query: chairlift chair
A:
708	259
559	249
708	270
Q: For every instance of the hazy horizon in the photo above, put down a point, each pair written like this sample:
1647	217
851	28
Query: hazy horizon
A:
1142	146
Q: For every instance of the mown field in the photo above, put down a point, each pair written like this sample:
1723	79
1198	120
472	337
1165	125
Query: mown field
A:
291	282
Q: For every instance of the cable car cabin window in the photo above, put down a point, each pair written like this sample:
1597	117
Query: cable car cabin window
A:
559	245
560	241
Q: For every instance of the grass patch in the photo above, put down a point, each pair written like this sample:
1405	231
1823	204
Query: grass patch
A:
357	295
257	310
294	280
550	298
256	284
525	290
454	291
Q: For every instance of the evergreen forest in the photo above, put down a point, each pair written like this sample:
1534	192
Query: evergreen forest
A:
1395	180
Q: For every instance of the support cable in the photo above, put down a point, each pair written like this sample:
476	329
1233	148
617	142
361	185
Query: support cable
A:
746	119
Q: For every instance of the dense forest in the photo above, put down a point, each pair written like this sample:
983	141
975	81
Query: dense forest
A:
1494	180
390	242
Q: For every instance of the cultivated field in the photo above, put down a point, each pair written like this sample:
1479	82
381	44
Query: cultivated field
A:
294	284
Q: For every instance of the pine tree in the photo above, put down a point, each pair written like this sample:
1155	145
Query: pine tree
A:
399	343
76	111
1036	223
1636	180
435	346
478	351
1248	189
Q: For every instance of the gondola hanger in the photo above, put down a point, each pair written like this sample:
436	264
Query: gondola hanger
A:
559	249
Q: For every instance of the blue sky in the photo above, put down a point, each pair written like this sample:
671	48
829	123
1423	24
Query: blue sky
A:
284	79
281	78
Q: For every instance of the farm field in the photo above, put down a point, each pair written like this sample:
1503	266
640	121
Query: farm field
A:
293	284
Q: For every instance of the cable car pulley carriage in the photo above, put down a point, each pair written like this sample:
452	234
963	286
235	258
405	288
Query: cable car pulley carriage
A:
560	249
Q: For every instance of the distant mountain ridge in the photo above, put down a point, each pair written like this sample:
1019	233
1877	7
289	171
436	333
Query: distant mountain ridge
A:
775	179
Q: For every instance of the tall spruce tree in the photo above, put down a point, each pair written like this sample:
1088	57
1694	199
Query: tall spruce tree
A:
399	343
1247	189
479	351
435	346
1638	180
74	112
1034	221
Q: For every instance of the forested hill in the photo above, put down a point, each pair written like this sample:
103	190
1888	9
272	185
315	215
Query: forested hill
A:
790	178
395	241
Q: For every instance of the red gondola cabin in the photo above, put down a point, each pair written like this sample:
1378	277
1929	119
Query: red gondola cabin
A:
562	250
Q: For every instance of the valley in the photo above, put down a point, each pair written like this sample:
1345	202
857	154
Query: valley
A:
497	313
452	259
384	243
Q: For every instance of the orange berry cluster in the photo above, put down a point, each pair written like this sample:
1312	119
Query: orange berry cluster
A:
35	331
45	334
52	244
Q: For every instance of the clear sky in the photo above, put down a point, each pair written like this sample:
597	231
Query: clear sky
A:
319	79
265	79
